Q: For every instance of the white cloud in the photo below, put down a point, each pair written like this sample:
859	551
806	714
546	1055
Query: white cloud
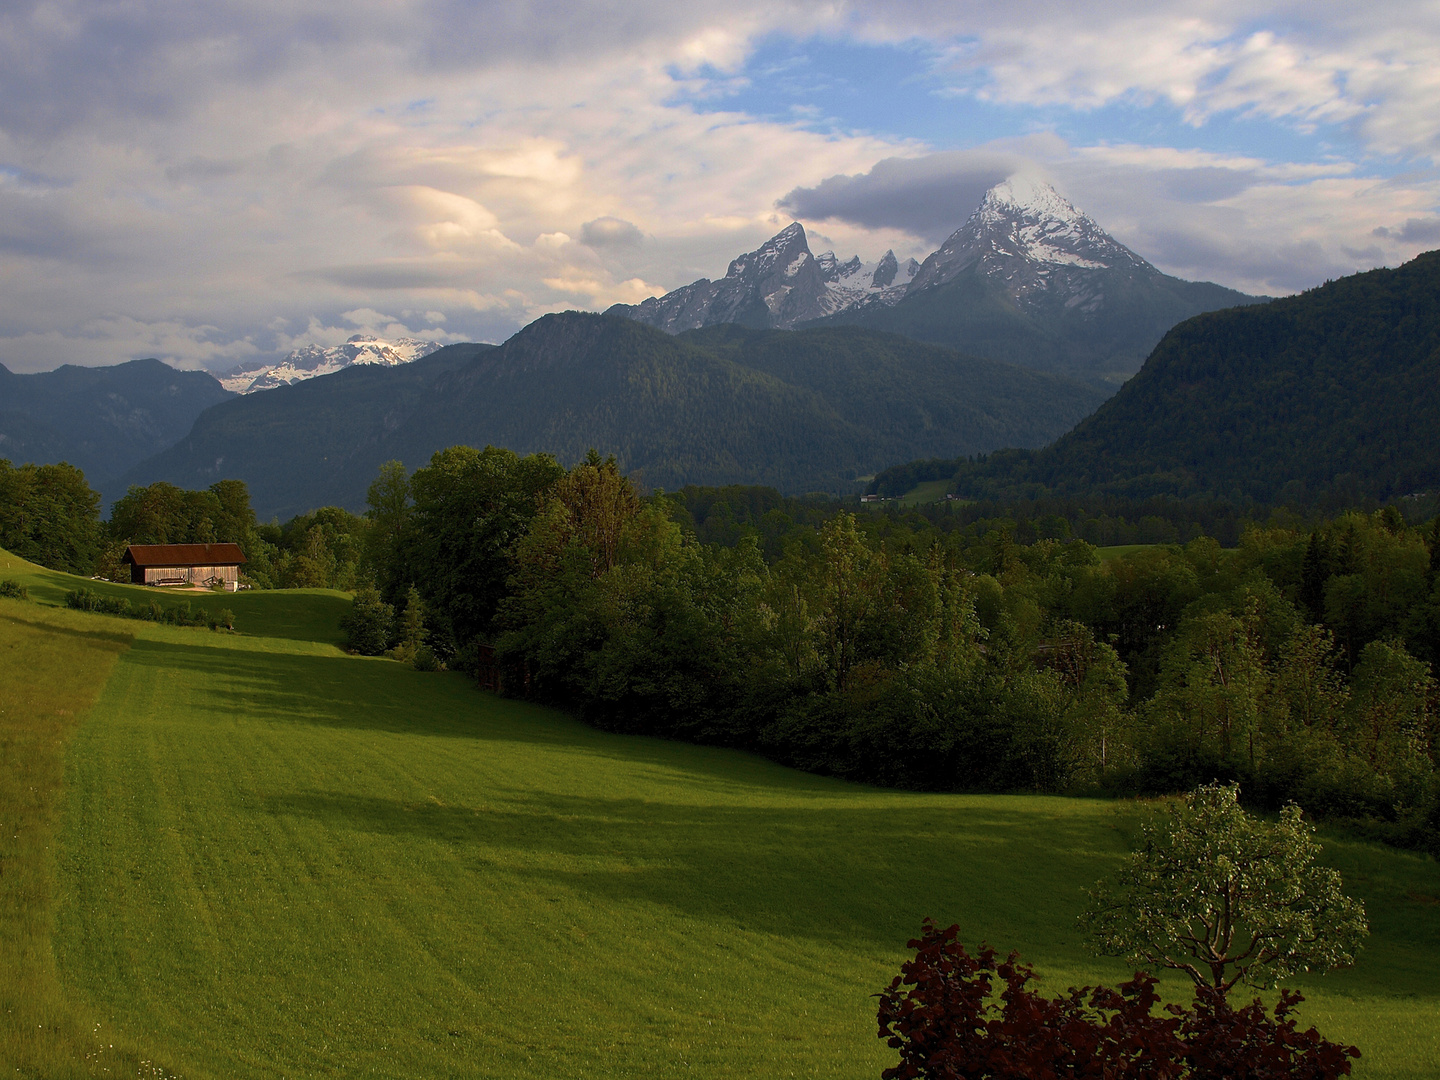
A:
198	179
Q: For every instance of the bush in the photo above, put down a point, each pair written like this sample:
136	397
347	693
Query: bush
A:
941	1013
13	589
154	611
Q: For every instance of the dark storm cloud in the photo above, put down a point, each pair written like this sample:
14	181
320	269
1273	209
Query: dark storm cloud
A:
151	59
198	169
164	59
928	196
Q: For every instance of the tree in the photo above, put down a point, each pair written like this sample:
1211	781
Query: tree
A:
1226	897
388	510
470	507
369	623
235	520
1390	717
49	515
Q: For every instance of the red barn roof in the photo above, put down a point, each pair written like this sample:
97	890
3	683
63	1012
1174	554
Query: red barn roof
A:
184	555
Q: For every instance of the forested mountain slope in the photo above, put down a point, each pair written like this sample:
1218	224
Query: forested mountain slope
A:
303	445
1333	394
102	420
800	411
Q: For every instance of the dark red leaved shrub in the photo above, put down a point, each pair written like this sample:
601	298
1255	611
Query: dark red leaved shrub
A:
941	1013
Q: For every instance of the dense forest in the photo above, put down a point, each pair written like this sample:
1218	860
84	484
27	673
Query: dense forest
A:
938	650
893	649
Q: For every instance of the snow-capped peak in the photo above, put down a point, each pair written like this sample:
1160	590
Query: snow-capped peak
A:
310	361
787	248
1024	227
1025	194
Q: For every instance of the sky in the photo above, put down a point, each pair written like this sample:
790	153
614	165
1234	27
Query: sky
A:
217	182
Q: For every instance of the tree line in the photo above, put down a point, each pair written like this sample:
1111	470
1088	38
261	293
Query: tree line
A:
887	648
938	651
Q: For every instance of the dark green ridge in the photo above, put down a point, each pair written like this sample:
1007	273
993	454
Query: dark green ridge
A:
1330	394
801	411
102	420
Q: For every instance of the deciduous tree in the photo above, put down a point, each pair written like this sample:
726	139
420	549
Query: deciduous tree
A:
1226	898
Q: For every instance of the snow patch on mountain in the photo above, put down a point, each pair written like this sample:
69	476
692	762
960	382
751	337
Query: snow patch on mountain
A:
1023	232
779	284
311	361
850	284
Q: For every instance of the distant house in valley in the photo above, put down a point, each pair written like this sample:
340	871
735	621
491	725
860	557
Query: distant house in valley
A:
185	564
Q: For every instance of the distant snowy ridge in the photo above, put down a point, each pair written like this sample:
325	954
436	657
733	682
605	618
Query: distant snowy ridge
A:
309	361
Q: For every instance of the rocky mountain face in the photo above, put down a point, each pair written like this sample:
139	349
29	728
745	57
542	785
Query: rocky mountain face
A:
1031	279
311	360
777	286
1028	279
1044	252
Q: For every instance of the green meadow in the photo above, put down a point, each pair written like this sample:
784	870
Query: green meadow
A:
251	855
927	492
1119	551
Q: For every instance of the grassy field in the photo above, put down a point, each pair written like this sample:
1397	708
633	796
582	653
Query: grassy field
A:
267	858
928	492
1119	551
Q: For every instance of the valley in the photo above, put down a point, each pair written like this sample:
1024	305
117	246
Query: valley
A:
273	857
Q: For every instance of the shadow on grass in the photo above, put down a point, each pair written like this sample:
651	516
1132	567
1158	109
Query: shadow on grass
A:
381	695
50	626
841	874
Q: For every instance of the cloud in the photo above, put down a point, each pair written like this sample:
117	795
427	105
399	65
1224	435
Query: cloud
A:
927	196
610	232
1414	231
195	179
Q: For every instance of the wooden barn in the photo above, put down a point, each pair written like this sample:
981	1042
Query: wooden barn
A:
185	564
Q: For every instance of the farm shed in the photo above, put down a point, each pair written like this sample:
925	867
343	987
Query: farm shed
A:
185	564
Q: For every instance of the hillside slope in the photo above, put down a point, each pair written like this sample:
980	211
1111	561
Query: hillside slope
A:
1334	393
295	444
798	411
977	313
102	420
419	862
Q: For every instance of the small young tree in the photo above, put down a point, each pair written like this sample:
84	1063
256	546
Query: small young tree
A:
413	649
368	624
1226	897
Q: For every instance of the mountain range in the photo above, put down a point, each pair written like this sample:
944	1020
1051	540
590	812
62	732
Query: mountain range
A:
1027	279
310	361
1328	397
799	410
102	420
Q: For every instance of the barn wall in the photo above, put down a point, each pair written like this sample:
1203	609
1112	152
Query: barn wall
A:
196	575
